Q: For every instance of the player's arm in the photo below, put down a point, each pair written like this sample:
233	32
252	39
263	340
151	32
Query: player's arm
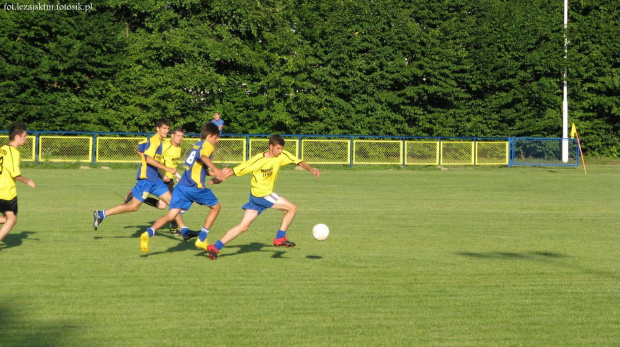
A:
219	174
25	180
159	165
311	169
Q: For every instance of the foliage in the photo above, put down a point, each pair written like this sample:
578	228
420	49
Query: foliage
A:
369	67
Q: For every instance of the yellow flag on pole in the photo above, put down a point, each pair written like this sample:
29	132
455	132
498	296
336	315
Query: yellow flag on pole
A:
573	131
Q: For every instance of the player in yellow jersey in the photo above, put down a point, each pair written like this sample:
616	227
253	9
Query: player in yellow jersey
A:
264	168
170	154
192	189
147	178
9	173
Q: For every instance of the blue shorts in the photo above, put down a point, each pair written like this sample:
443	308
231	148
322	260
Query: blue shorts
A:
184	196
261	204
143	188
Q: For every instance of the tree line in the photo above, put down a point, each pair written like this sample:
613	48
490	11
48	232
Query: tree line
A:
364	67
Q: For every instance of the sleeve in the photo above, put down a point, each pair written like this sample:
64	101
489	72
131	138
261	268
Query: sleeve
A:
13	166
289	158
153	144
207	149
142	146
248	166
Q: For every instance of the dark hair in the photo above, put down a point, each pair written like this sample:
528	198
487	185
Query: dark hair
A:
177	130
162	121
209	129
276	140
16	129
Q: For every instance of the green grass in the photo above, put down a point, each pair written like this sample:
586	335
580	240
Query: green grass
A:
460	257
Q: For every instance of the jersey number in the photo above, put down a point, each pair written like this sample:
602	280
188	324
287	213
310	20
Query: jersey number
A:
190	158
1	165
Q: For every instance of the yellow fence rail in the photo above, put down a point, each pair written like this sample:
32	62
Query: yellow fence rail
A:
313	149
27	151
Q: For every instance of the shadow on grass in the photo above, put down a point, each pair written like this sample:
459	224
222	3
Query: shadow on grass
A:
16	330
14	239
251	248
547	257
314	257
511	255
240	249
138	230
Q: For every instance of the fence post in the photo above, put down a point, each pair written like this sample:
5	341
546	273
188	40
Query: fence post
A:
511	151
36	149
439	150
403	149
351	152
94	149
475	151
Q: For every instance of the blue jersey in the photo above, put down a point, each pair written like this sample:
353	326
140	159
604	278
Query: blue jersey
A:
196	170
151	148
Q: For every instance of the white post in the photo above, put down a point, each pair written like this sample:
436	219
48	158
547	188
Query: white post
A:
565	96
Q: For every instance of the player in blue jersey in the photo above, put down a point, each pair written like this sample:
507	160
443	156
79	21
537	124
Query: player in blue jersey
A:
148	179
171	152
192	188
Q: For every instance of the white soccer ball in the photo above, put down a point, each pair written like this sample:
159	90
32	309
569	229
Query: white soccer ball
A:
320	232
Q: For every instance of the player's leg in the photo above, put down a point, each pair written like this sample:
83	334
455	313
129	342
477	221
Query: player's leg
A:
203	197
140	191
248	217
9	210
180	200
166	198
160	222
174	226
201	240
10	220
290	210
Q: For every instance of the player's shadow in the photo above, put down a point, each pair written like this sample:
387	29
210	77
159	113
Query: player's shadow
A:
180	247
139	229
254	247
512	255
555	259
13	239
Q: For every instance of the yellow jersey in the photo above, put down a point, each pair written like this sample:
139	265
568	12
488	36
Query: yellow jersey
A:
170	155
264	171
9	169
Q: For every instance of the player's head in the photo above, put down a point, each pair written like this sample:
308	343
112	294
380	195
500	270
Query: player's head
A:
177	136
209	130
17	130
216	116
276	144
163	126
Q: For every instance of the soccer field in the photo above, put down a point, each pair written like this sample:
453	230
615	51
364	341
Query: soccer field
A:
457	257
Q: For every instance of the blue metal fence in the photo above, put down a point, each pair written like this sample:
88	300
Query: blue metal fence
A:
327	149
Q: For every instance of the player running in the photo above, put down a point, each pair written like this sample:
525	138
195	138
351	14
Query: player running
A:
148	180
191	188
9	173
264	168
170	154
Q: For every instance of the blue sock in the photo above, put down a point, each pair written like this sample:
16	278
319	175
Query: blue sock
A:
151	232
203	234
280	234
101	214
184	231
218	245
